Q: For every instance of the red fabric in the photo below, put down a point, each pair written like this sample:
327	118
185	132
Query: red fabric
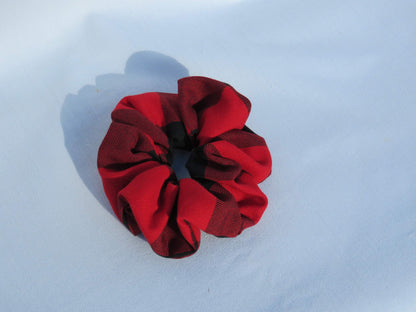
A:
227	162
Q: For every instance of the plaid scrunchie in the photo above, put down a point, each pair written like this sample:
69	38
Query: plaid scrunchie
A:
227	161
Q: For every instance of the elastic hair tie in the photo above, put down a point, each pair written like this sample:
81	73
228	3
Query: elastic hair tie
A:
227	161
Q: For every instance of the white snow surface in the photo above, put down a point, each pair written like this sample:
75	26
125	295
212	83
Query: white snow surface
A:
333	92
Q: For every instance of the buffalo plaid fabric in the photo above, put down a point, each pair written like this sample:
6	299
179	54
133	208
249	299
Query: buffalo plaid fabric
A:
227	161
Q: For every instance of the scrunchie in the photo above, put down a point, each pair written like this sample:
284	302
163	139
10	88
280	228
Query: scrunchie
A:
227	161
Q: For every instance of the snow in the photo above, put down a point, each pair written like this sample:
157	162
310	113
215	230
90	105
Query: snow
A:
333	88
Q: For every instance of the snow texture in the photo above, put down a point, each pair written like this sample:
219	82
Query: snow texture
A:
333	90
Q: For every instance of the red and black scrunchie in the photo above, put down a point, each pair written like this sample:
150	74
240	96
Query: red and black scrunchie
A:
227	161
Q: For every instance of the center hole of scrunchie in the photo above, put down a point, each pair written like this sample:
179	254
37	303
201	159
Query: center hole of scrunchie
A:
180	157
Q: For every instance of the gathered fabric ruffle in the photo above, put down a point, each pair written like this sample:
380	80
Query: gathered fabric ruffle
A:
227	161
